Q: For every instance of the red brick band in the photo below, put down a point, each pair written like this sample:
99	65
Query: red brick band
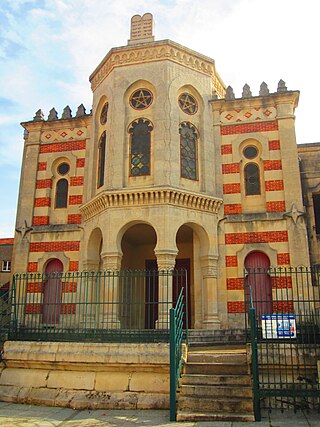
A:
62	146
67	245
256	237
249	127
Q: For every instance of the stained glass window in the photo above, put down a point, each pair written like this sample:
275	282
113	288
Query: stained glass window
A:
250	152
101	159
187	103
141	99
252	179
188	151
104	114
62	193
140	147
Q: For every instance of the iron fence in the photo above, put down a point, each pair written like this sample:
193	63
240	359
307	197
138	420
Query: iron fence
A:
285	330
122	305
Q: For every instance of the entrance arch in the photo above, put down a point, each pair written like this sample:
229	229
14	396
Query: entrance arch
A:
52	292
258	281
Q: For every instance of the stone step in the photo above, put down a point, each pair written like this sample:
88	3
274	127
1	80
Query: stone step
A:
215	380
208	416
215	369
217	357
207	404
213	392
225	336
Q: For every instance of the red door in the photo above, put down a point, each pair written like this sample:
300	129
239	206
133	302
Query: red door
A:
258	281
52	292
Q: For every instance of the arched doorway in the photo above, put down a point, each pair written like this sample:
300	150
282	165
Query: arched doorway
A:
52	292
258	282
94	248
138	291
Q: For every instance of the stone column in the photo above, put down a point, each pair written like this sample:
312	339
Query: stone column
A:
210	292
109	290
166	260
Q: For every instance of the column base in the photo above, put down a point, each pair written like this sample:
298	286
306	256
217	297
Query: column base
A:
212	323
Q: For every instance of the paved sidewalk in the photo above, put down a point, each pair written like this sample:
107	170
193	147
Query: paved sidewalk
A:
17	415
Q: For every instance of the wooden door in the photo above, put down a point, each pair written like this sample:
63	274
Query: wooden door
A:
259	281
52	293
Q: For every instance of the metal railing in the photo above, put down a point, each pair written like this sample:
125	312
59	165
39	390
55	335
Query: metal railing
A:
122	305
5	317
284	322
176	352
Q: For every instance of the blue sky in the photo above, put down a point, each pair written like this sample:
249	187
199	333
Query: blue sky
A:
48	49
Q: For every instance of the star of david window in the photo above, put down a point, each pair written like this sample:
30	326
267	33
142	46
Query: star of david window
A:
140	147
141	99
104	114
187	103
188	151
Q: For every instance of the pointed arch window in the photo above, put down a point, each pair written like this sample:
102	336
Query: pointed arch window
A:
140	147
188	151
62	193
252	179
101	159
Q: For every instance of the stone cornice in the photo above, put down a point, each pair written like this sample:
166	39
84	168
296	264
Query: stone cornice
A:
153	52
57	124
150	197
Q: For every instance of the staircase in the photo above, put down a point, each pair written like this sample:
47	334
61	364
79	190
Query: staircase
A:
215	385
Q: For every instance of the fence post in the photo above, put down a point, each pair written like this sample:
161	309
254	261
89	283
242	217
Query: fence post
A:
254	364
172	365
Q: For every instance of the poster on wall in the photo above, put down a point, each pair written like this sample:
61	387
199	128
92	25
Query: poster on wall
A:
278	326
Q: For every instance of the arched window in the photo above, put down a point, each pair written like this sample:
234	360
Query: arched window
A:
101	159
62	193
52	292
140	147
188	151
252	179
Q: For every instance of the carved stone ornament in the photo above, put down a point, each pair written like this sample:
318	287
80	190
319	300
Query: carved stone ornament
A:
53	115
66	113
81	111
229	94
294	214
282	86
264	90
246	92
39	117
24	229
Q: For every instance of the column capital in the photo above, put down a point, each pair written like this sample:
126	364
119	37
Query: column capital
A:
111	260
209	265
166	258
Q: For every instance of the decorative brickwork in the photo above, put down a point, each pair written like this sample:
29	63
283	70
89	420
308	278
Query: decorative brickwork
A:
231	261
33	308
32	267
42	166
40	202
44	183
279	206
54	246
6	241
74	266
275	185
80	163
249	127
68	308
75	200
256	237
62	146
274	144
74	219
272	165
282	307
226	149
284	282
231	188
283	259
231	209
76	180
69	287
230	168
235	306
40	220
235	283
35	287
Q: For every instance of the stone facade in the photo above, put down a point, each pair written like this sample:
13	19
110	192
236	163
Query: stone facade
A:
217	177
